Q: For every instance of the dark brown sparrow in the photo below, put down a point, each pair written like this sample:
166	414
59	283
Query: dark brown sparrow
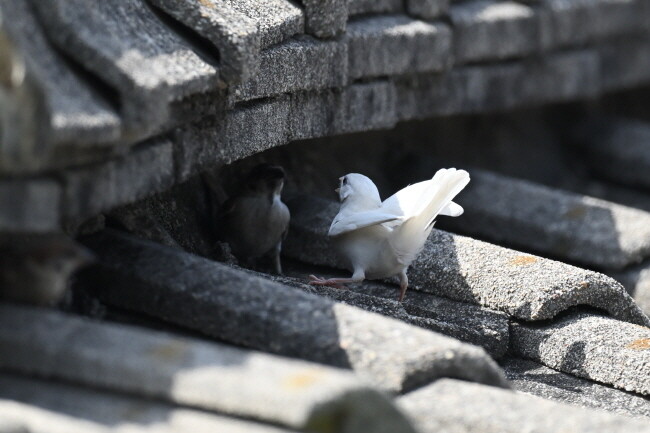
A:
255	221
35	269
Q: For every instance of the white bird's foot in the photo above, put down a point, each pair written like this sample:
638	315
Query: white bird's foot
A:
332	282
403	285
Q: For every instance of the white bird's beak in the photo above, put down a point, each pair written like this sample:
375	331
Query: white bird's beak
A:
337	190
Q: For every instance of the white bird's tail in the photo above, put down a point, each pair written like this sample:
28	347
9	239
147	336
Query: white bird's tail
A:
408	238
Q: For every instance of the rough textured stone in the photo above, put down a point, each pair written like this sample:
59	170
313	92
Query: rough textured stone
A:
31	205
625	63
618	149
64	109
359	7
234	34
598	348
395	44
427	9
458	407
123	43
533	378
637	282
302	63
325	18
191	373
524	286
234	306
277	20
575	22
555	223
146	170
45	407
465	322
489	30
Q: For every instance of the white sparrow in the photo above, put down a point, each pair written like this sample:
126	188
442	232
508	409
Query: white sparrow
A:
380	240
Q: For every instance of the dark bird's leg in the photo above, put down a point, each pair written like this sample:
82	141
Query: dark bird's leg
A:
277	265
403	285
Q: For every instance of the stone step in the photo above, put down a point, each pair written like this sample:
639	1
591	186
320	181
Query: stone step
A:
237	307
191	373
455	406
599	348
524	286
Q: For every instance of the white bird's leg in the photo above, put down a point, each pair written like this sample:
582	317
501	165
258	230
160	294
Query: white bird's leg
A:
357	277
276	259
403	285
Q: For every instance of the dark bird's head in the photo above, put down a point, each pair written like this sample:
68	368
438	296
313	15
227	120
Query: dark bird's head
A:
266	178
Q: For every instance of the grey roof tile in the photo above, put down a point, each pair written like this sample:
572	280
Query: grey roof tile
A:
536	379
31	205
524	286
395	44
637	282
427	9
233	33
234	306
491	29
561	224
45	407
599	348
617	149
129	48
360	7
325	18
458	407
191	373
577	21
147	169
277	20
469	323
299	64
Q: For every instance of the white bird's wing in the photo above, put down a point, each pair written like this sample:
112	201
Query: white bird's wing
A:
408	201
354	221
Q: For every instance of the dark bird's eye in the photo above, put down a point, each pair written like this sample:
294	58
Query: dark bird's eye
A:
345	181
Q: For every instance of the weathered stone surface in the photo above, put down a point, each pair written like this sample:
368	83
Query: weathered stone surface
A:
490	29
594	347
70	111
524	286
469	323
625	63
358	7
277	20
144	171
618	149
30	204
125	44
575	22
560	224
460	407
395	44
45	407
302	63
190	373
533	378
427	9
234	34
236	307
325	18
243	131
637	282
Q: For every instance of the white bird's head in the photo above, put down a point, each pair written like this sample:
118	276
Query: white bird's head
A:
358	191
